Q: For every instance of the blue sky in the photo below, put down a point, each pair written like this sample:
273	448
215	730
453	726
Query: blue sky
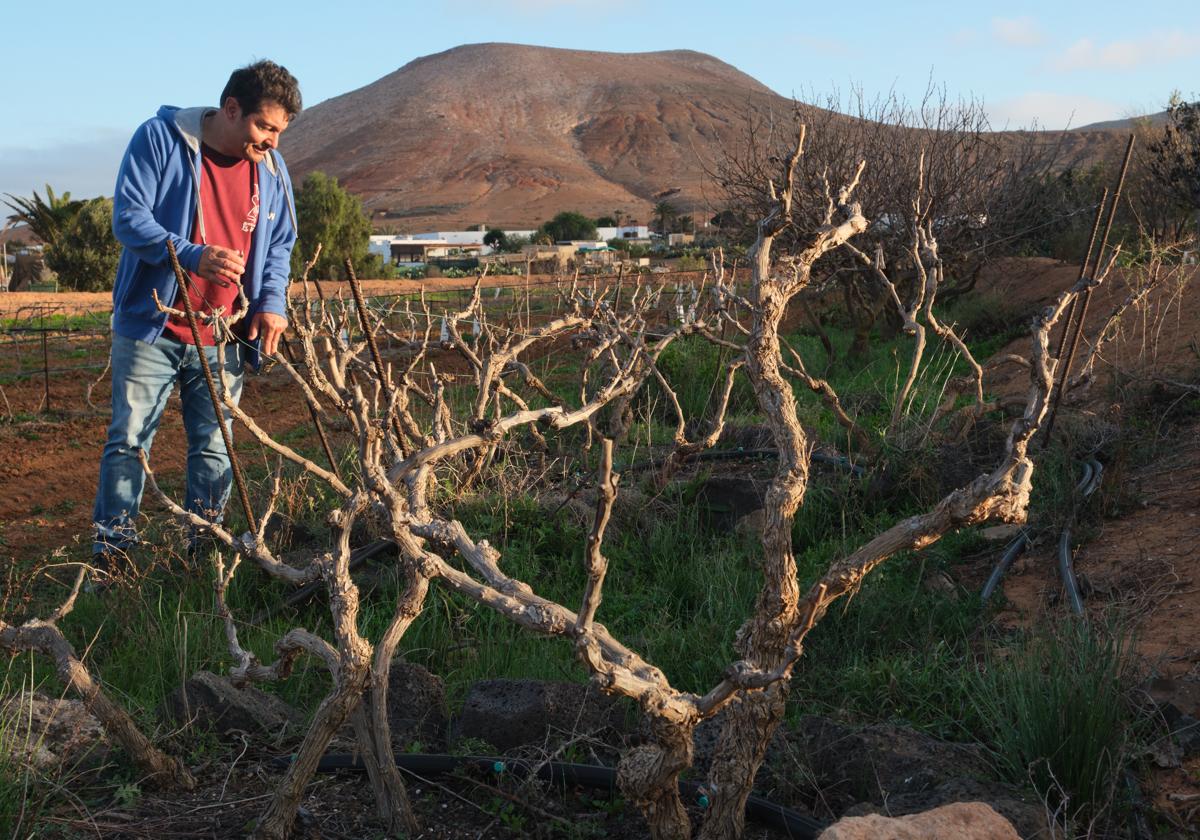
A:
78	77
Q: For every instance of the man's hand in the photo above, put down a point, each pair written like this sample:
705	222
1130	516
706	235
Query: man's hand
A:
221	265
271	327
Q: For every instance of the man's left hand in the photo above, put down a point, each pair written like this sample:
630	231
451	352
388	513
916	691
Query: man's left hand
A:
270	326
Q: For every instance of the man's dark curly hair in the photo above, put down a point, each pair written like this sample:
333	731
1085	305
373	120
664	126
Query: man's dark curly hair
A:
263	80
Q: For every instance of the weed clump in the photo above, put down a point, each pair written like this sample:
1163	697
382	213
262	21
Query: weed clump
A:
1055	713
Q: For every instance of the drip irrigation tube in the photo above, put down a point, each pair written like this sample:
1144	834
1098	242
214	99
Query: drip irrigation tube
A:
1093	471
839	461
1066	571
767	813
1097	472
1087	477
1006	559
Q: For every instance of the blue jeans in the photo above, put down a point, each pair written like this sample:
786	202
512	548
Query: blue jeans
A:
143	376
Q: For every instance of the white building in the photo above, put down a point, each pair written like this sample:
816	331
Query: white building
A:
623	232
441	243
381	244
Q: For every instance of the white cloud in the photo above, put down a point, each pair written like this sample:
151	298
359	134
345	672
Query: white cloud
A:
1051	111
1158	48
1017	32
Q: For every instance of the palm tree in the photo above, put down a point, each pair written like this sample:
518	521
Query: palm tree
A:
46	219
664	210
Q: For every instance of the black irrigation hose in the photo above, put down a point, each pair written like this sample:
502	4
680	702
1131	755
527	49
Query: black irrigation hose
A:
1066	570
761	810
1006	560
839	461
1093	470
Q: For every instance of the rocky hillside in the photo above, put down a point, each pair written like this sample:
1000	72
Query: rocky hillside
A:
510	135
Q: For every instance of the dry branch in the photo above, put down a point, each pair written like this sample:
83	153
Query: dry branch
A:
43	636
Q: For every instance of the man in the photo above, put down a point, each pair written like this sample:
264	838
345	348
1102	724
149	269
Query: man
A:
210	181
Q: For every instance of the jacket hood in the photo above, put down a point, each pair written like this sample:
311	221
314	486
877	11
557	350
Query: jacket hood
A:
189	123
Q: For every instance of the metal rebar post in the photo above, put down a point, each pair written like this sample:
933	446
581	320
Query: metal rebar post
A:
46	370
238	478
1083	269
1087	294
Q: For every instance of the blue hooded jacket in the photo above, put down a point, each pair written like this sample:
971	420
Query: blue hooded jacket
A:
157	199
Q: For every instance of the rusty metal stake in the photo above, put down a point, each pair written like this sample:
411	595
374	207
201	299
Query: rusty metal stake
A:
1087	294
46	369
181	279
1083	270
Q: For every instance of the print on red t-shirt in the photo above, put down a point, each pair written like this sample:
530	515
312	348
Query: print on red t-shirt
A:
229	206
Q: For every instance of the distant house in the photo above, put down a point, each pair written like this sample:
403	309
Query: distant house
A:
410	249
630	232
381	244
442	243
674	239
469	239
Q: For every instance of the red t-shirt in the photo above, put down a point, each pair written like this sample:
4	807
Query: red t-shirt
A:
229	205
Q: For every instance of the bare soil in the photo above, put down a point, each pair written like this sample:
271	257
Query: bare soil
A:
23	304
1142	556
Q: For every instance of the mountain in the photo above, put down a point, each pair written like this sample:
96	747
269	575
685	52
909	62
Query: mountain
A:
511	135
1158	119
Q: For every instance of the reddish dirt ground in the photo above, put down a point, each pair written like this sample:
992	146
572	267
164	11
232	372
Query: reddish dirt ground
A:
1143	558
50	462
23	304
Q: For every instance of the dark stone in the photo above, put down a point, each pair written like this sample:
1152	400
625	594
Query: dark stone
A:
726	499
892	770
416	706
881	761
286	534
1186	730
511	713
1027	815
214	702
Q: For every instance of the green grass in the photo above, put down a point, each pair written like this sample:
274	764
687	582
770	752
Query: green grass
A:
1055	708
59	321
22	799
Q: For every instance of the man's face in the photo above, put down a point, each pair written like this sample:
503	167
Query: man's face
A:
256	133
